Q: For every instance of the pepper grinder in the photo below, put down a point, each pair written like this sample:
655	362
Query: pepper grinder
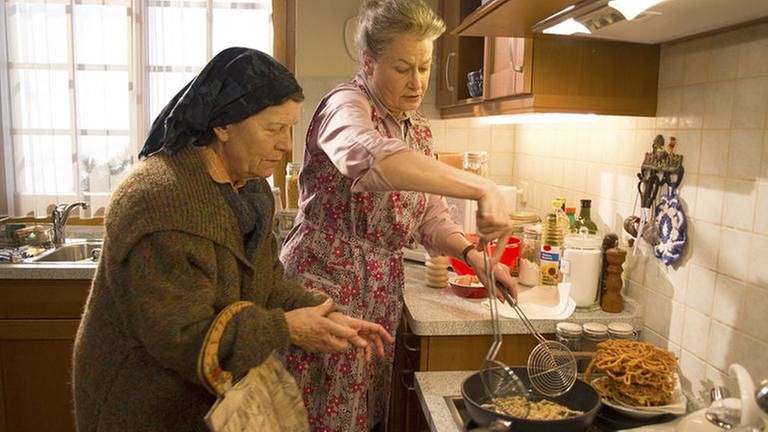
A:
612	300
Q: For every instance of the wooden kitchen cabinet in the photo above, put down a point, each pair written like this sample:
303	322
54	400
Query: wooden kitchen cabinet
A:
566	75
38	323
441	353
539	73
457	56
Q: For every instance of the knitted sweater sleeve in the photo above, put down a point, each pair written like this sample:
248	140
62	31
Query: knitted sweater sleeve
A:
171	285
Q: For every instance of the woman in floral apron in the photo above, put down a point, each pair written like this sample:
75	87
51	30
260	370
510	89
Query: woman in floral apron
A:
369	187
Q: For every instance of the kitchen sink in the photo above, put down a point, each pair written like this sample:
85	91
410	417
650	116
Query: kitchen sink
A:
71	253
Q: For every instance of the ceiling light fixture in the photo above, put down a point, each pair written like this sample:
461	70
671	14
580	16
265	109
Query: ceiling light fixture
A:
567	27
632	8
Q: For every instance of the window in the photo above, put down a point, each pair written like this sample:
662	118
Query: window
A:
85	78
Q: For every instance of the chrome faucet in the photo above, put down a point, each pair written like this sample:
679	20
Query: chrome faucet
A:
59	218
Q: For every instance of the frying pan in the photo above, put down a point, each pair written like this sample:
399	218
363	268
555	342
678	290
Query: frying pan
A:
581	397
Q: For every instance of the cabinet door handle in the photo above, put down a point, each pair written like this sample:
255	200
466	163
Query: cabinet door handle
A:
511	46
410	387
447	68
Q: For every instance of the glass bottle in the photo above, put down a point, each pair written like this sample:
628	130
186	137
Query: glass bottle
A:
585	220
528	274
292	185
476	163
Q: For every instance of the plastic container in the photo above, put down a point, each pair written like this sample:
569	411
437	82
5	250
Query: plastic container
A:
580	265
508	258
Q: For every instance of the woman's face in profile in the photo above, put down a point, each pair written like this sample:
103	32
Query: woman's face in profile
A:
255	146
399	77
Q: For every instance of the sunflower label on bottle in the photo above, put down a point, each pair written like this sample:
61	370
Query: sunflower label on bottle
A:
550	264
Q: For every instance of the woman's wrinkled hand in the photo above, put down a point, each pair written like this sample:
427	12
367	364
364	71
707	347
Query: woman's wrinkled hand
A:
322	329
500	272
492	215
369	335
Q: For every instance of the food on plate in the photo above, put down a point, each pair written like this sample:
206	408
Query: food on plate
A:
518	406
468	280
637	373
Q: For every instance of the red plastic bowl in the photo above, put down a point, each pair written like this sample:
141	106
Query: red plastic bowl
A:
509	258
467	291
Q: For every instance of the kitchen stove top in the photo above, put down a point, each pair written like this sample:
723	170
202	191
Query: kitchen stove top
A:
607	420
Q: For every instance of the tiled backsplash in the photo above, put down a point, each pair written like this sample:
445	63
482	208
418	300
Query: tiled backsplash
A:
713	97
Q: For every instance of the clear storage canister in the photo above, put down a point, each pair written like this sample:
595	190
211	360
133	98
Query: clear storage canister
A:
621	330
476	162
528	264
569	334
594	333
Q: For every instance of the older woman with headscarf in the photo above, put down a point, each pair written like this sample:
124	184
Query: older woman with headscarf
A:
188	233
369	187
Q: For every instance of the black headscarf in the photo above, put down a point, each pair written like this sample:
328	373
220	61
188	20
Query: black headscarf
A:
236	84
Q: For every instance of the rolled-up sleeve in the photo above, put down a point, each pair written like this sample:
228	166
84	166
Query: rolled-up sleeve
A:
436	226
345	132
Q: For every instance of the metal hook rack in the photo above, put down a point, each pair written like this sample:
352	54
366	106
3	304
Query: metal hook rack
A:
663	163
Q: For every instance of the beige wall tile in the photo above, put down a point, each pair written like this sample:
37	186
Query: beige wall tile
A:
734	247
669	107
718	105
750	103
714	152
761	208
709	199
725	56
758	261
745	153
696	332
739	204
754	305
728	299
701	289
692	107
694	372
672	65
753	58
696	63
704	243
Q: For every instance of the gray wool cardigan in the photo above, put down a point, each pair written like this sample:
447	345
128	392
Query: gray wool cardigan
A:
173	257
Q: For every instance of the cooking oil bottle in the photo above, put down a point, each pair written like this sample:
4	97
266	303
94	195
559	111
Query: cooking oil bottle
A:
551	250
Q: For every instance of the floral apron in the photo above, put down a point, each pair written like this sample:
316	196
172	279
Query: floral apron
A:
348	245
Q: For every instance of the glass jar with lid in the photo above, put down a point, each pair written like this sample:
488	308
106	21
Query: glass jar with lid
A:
594	333
476	162
528	264
621	330
569	334
581	265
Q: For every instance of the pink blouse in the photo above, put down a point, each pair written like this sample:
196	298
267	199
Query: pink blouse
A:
345	132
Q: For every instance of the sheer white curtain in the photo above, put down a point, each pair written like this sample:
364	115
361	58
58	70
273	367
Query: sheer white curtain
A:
83	80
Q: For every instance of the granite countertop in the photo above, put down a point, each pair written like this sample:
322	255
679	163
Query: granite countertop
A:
439	312
432	388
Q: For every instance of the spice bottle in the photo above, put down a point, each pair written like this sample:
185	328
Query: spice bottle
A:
530	255
291	185
476	163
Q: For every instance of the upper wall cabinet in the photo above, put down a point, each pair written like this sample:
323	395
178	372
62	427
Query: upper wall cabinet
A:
507	17
545	74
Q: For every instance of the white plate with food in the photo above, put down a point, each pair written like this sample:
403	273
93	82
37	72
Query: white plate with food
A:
676	406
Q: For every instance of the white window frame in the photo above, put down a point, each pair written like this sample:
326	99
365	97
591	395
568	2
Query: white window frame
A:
138	90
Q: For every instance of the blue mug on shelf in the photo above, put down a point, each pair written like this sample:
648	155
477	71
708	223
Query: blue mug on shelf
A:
475	83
